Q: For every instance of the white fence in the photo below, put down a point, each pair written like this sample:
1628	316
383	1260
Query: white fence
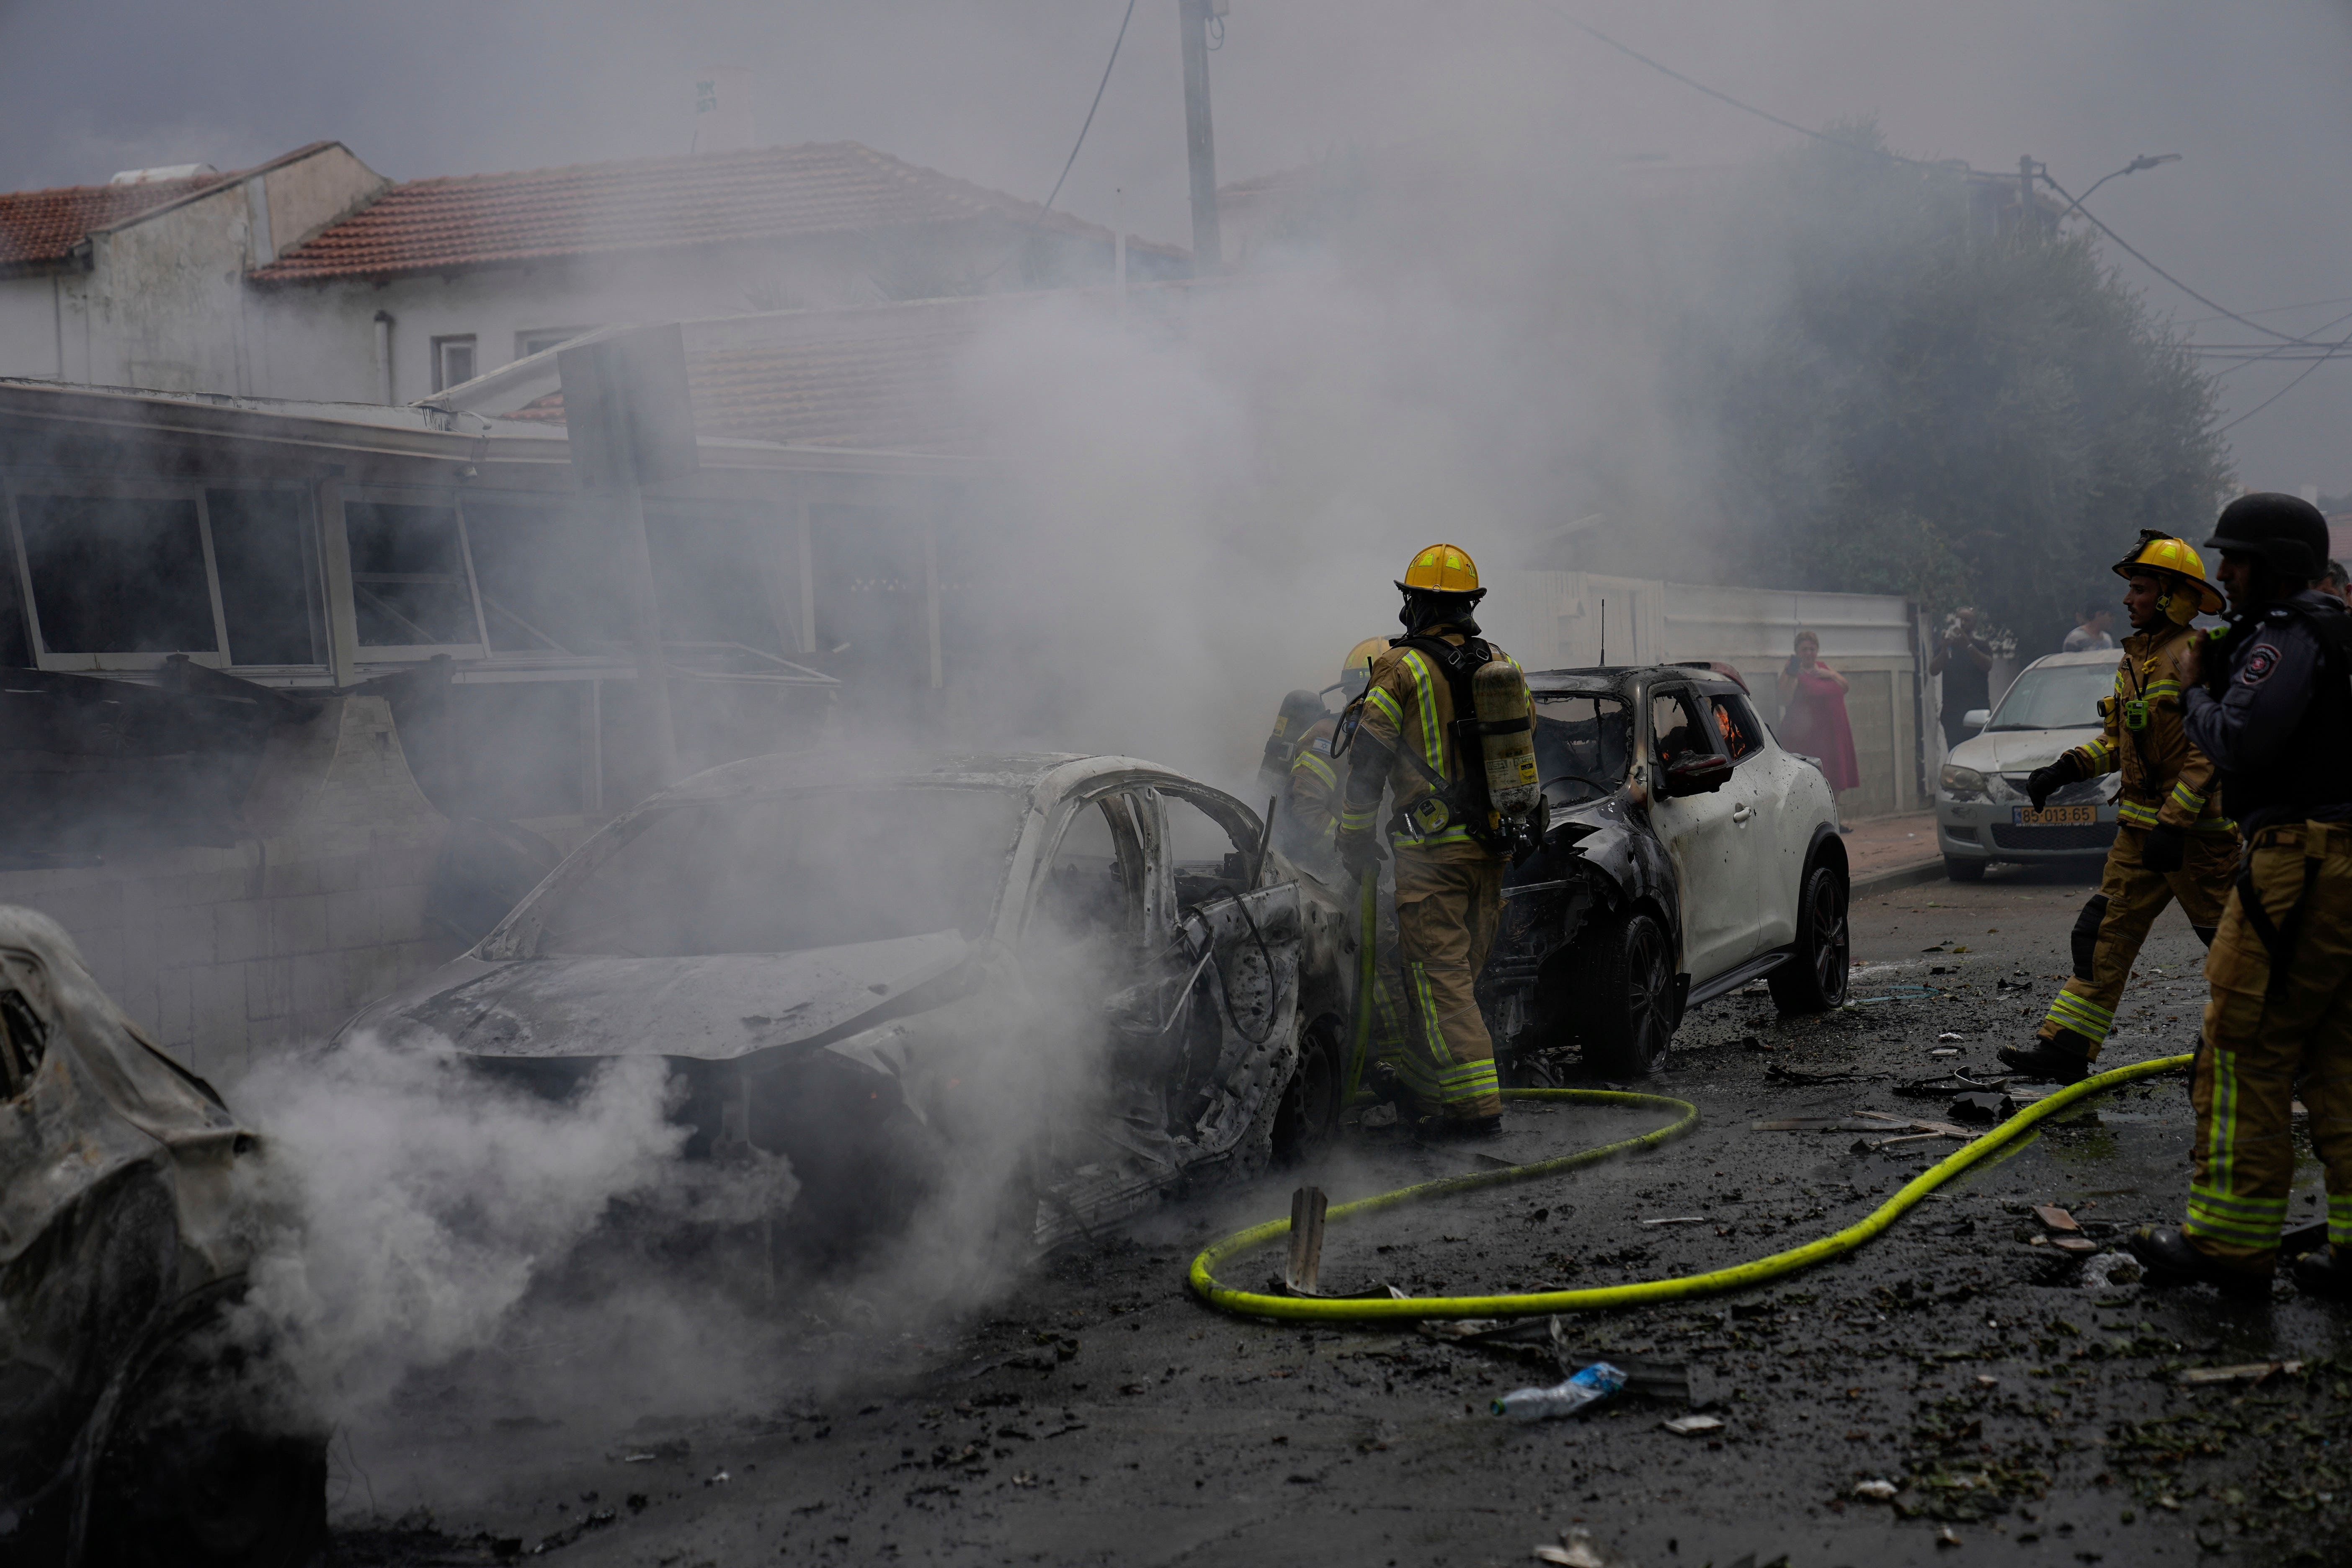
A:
1554	620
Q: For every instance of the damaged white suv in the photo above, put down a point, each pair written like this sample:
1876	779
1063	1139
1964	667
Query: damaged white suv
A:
1061	986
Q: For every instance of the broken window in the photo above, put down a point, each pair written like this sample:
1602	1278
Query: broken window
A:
409	582
1737	723
264	552
118	574
1206	859
546	585
1680	732
1582	746
24	1041
1094	878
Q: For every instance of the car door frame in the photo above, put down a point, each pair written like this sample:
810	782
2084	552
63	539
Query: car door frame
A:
1699	836
1759	789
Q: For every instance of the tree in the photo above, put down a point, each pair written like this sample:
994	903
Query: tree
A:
1920	390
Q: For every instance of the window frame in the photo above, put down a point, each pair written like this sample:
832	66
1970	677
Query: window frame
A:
472	343
1762	740
421	495
20	482
1699	711
567	334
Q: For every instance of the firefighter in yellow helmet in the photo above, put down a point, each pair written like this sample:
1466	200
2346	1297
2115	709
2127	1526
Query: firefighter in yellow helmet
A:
1449	856
2172	839
1307	815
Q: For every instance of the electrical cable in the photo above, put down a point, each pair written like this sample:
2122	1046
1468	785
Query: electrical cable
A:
2125	246
2274	397
1201	1277
1087	123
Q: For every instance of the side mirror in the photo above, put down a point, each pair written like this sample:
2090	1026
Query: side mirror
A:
1697	776
1977	718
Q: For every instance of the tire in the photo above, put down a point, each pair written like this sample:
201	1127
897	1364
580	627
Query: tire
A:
1813	980
1629	975
1308	1116
1964	870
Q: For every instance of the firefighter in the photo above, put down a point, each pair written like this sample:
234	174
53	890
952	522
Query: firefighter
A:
2172	840
1309	816
2270	702
1449	858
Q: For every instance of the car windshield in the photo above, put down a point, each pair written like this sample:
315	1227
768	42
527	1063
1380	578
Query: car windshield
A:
1582	746
2055	697
812	868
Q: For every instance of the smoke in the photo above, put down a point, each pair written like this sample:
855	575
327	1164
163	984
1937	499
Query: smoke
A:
419	1203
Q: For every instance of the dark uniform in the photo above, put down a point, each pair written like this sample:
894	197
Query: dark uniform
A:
2280	968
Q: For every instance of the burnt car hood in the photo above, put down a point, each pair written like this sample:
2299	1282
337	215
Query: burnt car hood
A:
712	1008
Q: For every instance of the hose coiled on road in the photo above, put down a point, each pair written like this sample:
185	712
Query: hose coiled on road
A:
1323	1308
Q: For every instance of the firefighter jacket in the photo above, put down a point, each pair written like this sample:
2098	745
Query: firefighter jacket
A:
2165	779
1408	713
1310	796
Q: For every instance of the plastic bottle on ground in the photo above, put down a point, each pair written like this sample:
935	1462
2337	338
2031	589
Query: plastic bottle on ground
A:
1594	1384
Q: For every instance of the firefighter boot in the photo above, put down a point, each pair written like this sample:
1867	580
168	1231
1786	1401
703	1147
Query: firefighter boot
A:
2170	1259
2063	1058
2324	1273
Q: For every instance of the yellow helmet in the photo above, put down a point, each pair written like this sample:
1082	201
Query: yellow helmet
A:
1443	568
1356	669
2162	556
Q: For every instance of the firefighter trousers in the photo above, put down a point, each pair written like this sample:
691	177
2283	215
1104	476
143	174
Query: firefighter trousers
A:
1449	902
2113	925
2260	1035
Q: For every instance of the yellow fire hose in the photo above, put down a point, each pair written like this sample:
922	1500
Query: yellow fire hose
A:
1316	1309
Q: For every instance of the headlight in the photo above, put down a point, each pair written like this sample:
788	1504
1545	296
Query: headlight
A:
1962	783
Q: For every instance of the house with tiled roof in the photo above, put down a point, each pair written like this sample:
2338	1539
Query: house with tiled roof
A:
313	277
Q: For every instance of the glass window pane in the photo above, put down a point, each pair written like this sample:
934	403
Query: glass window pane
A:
408	576
259	548
1680	732
1582	746
546	587
117	575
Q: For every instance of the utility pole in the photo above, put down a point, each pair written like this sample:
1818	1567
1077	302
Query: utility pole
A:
2025	223
1199	141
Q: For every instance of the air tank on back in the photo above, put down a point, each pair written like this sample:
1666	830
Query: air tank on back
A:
1507	737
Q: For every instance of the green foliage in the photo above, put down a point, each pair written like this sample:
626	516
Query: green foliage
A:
1917	393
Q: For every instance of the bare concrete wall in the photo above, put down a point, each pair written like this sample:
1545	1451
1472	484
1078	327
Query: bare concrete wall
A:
224	954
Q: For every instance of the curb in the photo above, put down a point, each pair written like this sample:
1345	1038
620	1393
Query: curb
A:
1888	881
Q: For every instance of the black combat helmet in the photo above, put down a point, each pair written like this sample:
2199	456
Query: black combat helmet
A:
2285	533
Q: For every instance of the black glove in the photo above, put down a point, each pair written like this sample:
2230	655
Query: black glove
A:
2043	783
2165	849
1360	854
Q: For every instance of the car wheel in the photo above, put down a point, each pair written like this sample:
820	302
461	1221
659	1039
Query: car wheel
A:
1309	1112
1629	975
1813	980
1964	870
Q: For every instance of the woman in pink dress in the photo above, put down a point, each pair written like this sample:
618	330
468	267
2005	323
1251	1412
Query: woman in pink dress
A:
1812	714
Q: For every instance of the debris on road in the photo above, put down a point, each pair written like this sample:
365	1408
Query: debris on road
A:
2054	1219
1877	1491
2110	1269
2251	1372
1305	1264
1575	1551
1679	1219
1589	1387
1779	1074
1981	1107
1693	1425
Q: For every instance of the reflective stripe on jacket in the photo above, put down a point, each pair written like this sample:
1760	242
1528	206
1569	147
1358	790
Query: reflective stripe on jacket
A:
2165	779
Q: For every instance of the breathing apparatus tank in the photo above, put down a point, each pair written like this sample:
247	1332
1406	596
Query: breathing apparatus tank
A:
1507	741
1301	711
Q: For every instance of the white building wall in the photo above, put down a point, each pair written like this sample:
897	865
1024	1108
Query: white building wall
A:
31	335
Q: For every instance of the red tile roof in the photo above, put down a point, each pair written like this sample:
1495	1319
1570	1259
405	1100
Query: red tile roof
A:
878	378
38	226
642	204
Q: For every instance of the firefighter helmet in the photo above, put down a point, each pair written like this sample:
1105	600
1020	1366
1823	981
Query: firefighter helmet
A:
1442	569
1356	670
2170	560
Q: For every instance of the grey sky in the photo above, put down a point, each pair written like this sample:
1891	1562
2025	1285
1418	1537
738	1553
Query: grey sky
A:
993	91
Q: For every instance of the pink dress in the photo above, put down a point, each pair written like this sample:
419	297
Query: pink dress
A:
1815	723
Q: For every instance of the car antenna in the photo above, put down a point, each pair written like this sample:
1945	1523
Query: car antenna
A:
1604	634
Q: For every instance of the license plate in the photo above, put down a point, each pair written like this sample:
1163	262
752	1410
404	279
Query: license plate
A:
2055	816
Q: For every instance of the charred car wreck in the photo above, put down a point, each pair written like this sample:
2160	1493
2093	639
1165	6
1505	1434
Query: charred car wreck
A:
1075	983
135	1428
1688	854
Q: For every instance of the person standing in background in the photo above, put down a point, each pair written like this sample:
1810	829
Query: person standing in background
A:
1965	664
2091	634
1812	714
2338	581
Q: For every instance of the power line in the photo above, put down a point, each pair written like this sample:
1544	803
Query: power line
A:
1088	124
2274	397
2127	249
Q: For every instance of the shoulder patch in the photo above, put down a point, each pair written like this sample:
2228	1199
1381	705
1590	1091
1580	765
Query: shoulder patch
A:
1323	745
2261	659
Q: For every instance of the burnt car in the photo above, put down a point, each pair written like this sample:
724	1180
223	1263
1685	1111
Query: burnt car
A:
1069	984
1688	855
141	1421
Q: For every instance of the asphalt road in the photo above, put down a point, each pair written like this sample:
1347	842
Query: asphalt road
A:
1099	1413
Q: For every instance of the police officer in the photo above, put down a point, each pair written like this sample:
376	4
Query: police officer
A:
2270	702
2171	839
1309	814
1449	862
